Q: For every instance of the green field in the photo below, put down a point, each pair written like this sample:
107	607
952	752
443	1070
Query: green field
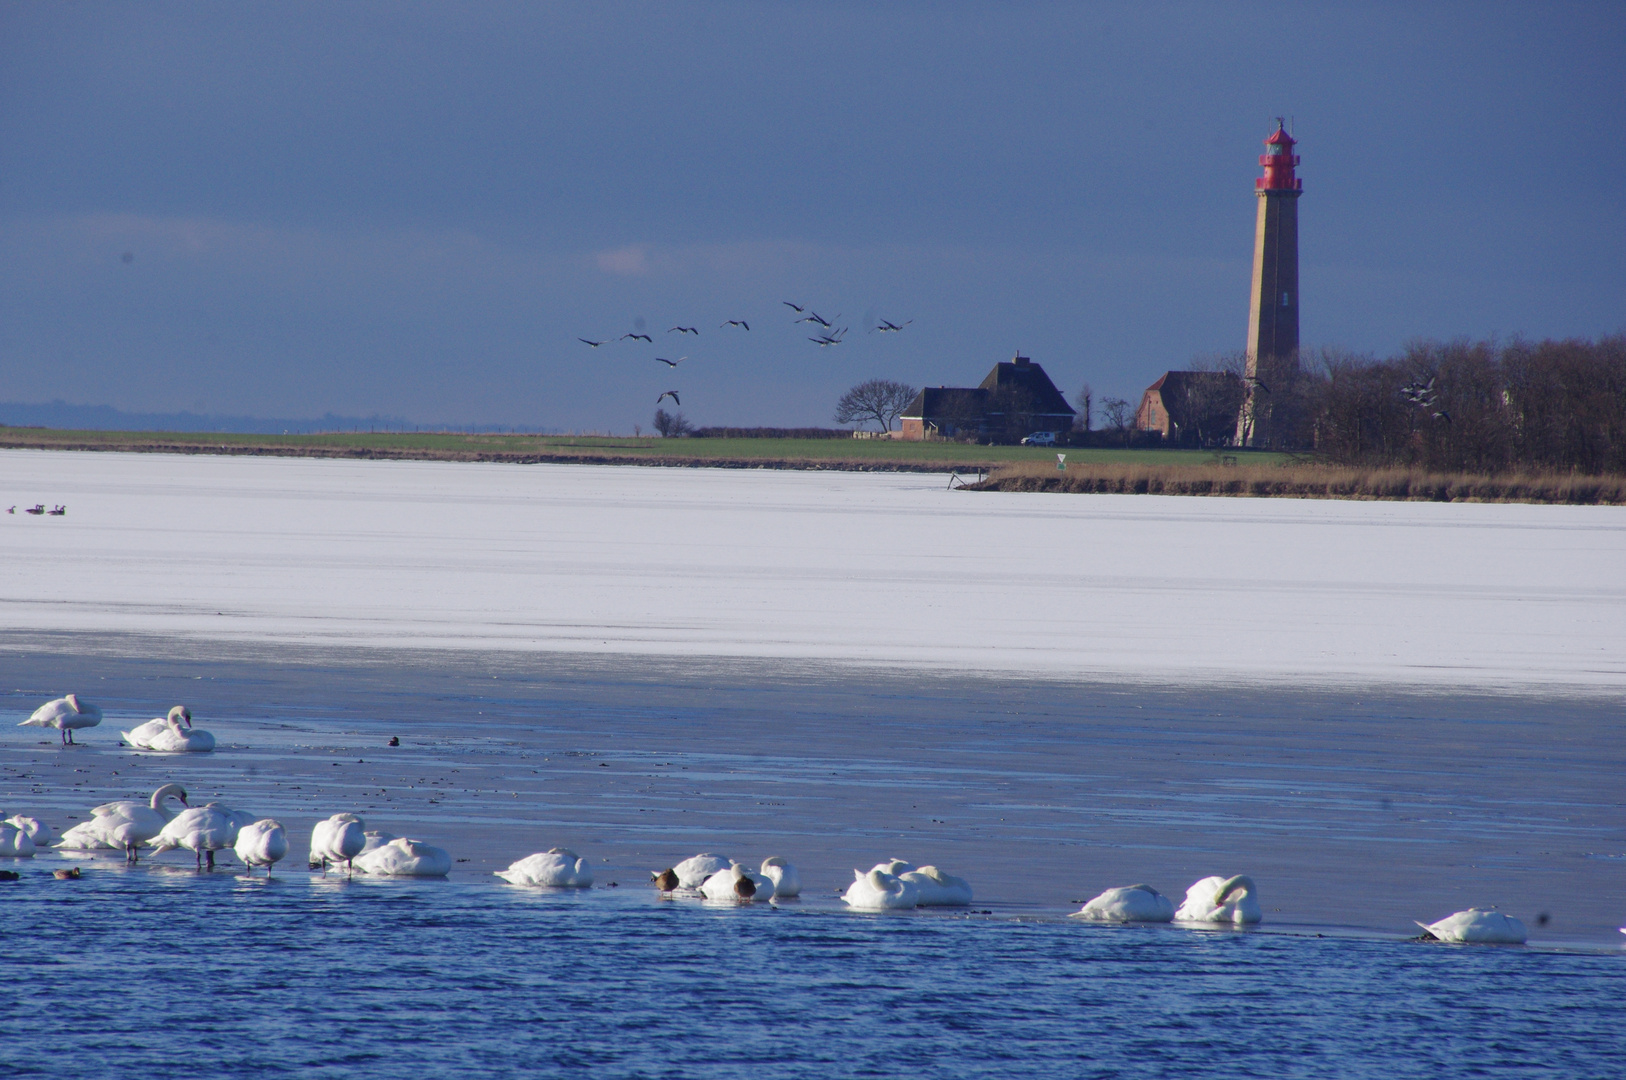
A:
447	446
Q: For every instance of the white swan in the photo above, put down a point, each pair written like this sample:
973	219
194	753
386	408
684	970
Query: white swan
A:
880	891
125	824
261	843
142	734
558	867
339	838
14	843
786	881
736	884
36	830
66	714
202	829
405	858
1132	903
936	888
693	871
1217	899
1478	927
170	737
894	867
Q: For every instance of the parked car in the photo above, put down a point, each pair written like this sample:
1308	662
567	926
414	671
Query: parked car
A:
1040	438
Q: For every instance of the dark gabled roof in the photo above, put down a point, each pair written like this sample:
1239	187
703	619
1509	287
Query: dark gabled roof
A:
1175	382
1024	374
947	401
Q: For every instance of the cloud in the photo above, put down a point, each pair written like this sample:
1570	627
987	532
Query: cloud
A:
629	261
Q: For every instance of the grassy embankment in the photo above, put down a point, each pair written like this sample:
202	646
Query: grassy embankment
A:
1305	481
845	454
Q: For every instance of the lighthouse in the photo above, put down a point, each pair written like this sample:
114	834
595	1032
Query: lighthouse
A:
1273	321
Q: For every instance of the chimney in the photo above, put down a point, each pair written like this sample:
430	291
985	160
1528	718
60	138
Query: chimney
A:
1019	360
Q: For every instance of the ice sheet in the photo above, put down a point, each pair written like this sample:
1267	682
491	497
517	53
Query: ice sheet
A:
878	568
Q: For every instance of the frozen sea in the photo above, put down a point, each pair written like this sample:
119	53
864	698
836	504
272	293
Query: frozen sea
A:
1382	712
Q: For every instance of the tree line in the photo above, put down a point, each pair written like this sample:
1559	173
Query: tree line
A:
1465	406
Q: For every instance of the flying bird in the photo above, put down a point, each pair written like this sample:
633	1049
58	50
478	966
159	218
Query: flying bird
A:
669	394
736	322
892	328
671	363
639	337
814	316
1443	415
684	330
829	339
1253	380
794	307
591	344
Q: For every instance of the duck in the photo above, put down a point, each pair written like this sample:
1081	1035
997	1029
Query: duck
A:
736	884
203	830
1221	900
67	715
1131	903
261	843
556	867
339	838
666	881
693	871
125	824
36	830
786	881
14	843
142	734
402	857
1477	926
880	891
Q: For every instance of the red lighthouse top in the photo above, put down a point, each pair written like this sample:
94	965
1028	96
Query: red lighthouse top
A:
1278	160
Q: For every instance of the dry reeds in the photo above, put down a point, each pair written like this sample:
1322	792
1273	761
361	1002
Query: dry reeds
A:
1310	482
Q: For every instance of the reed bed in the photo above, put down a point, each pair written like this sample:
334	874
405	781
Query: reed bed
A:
1308	481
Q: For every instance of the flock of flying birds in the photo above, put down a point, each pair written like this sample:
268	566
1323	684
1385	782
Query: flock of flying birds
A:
827	334
1421	394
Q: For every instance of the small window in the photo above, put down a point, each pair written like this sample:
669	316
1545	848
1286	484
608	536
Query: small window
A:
1284	300
1274	149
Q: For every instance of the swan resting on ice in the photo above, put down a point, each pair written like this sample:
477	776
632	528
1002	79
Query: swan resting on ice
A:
880	891
167	736
1477	927
402	857
556	867
125	824
67	715
737	884
35	829
1221	900
786	881
693	871
204	830
261	843
1131	903
937	889
337	839
14	842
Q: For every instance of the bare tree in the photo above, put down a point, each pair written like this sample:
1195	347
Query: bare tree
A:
1119	415
671	425
1085	401
880	400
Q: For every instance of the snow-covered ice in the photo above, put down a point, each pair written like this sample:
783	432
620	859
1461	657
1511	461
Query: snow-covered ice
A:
882	568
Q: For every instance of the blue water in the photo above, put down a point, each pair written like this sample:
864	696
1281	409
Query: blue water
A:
158	972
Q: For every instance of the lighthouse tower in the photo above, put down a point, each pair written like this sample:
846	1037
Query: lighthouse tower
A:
1273	322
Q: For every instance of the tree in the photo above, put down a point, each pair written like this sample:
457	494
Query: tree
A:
671	425
1119	415
880	400
1085	401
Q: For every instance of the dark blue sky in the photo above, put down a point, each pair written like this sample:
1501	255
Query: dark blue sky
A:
416	209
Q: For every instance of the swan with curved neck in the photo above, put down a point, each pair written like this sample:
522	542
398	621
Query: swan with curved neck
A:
66	714
125	824
203	830
174	739
141	736
1221	900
